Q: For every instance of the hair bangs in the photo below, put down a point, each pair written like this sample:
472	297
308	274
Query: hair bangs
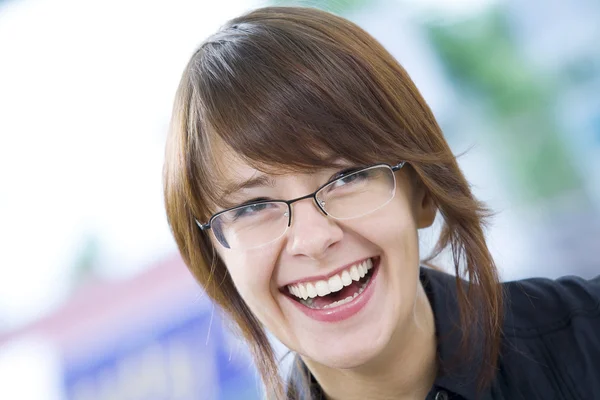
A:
288	101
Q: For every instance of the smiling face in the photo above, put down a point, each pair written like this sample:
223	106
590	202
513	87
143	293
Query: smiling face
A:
369	264
277	86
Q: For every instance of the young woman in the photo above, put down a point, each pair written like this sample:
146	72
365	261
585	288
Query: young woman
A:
301	163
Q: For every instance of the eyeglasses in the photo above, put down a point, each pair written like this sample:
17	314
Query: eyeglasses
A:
351	195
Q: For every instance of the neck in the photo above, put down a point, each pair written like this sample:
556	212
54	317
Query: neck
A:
405	369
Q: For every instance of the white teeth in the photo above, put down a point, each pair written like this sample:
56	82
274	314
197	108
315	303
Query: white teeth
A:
322	288
308	291
344	301
297	289
335	283
340	302
303	292
346	278
354	273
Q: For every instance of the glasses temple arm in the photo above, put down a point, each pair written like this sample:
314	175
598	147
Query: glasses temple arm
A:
398	166
202	227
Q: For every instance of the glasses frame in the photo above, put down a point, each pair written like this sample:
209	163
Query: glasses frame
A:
208	225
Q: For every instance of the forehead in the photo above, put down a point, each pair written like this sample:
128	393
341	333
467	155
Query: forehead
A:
233	174
231	167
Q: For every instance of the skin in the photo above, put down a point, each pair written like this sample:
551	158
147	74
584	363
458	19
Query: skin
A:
388	349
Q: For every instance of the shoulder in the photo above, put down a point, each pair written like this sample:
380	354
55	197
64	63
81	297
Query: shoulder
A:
535	306
551	343
550	346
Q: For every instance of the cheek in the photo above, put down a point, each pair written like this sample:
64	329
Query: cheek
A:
251	272
390	227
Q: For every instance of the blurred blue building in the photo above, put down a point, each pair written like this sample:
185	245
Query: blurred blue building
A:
151	337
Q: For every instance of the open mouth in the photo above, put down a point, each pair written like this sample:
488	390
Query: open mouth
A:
339	289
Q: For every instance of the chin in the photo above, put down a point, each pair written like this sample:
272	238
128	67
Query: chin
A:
361	338
354	348
344	356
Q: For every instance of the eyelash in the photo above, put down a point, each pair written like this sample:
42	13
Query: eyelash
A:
255	200
343	173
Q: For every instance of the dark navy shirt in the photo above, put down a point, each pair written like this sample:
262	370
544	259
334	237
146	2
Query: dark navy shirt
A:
550	343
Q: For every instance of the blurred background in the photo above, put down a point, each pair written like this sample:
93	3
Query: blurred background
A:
95	302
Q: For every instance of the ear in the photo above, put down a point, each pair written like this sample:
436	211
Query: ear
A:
425	208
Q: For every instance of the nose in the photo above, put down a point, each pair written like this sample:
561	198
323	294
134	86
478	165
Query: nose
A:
311	232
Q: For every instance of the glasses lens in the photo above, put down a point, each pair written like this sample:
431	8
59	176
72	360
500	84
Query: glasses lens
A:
252	225
358	193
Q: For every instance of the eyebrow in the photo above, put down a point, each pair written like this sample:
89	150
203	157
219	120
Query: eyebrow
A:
258	181
234	187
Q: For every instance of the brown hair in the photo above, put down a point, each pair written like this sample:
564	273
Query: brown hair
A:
293	89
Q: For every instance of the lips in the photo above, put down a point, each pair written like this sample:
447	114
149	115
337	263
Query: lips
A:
337	305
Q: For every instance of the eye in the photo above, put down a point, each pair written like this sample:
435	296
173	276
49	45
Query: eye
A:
348	177
343	173
251	210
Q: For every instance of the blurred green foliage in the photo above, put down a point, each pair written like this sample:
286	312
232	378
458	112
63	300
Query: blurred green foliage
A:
485	65
334	6
480	54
